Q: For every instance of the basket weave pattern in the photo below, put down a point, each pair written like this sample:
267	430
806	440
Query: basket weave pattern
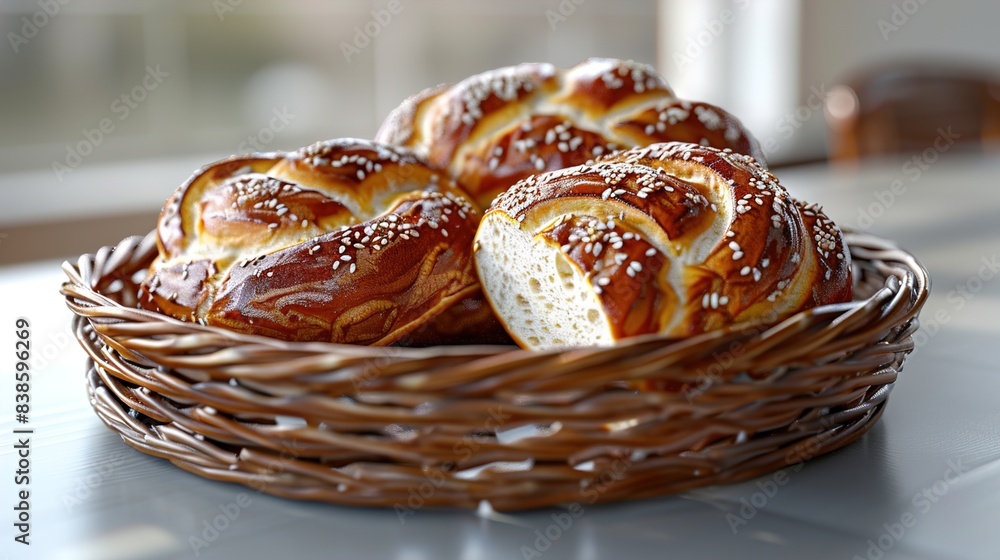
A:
462	424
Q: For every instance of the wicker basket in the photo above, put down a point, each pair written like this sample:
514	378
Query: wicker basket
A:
454	426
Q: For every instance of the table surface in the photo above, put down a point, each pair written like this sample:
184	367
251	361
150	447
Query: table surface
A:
924	483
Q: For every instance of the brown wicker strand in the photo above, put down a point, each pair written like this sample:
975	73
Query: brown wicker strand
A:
520	429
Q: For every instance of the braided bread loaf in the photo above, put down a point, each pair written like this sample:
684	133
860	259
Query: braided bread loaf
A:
495	128
673	238
343	241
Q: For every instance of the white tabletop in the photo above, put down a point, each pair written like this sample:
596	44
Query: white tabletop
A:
922	484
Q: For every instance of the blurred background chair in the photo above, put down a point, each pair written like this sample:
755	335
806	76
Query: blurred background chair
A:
904	108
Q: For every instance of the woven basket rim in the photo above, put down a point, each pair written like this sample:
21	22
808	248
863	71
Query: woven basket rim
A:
78	284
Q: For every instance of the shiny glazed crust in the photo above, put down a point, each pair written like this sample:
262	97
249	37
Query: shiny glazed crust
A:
496	128
673	238
344	241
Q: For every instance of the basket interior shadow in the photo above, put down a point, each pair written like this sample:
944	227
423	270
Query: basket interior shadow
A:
463	424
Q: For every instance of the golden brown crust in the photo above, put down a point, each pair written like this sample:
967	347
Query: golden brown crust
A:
642	307
679	238
495	128
343	241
